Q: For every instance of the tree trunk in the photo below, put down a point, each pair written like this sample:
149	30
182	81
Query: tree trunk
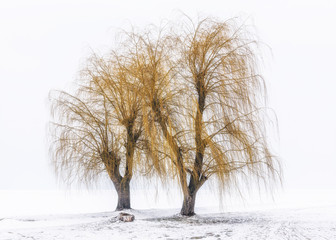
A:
124	199
188	207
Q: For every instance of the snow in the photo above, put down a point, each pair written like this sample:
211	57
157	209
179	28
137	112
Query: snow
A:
305	223
283	218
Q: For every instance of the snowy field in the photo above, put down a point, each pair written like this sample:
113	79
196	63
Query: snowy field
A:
308	223
271	221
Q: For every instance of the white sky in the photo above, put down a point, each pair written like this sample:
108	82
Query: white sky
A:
42	44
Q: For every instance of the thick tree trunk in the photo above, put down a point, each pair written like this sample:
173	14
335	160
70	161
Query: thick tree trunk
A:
188	207
124	199
196	178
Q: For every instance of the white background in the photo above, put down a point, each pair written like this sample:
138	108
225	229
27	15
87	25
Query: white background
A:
42	44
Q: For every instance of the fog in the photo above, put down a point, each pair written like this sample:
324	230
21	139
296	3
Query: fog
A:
43	44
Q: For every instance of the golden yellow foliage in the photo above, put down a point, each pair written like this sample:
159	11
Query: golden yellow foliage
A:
204	99
184	103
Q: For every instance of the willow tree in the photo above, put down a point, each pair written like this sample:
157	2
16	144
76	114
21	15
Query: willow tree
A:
97	129
205	103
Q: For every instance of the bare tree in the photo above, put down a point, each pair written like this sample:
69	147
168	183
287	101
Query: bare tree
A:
204	99
98	128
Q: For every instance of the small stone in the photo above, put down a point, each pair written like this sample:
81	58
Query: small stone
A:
126	217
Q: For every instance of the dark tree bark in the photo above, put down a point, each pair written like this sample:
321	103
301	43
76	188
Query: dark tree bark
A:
121	184
195	183
124	198
196	178
112	163
188	207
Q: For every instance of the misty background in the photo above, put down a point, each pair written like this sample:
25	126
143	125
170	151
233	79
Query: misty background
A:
44	43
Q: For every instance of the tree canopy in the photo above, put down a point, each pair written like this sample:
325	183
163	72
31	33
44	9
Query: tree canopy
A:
186	103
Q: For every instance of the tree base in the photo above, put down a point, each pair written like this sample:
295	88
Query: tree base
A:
124	198
124	202
188	207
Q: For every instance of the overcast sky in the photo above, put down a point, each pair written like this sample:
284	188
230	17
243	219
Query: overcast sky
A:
42	44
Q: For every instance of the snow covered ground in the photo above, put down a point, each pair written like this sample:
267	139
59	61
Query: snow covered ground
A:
307	223
265	221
